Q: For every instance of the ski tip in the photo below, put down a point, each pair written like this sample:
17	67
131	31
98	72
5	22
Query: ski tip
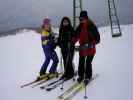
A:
61	88
42	87
48	89
21	86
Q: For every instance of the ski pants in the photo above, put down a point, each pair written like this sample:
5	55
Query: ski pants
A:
49	55
85	67
67	59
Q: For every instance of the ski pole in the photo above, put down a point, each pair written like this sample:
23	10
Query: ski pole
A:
62	86
75	73
68	57
61	65
61	68
85	96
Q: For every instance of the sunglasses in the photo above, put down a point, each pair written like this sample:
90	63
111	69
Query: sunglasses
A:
81	18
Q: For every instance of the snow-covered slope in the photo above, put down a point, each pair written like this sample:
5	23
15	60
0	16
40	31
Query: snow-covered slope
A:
21	57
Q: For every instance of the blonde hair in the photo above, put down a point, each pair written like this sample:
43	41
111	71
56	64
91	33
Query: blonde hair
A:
50	28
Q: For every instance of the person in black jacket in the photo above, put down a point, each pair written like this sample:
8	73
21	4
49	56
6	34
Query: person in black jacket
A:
66	33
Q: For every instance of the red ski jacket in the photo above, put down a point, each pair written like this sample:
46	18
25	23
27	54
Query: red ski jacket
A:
84	35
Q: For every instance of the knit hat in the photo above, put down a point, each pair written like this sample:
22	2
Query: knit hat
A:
83	14
46	21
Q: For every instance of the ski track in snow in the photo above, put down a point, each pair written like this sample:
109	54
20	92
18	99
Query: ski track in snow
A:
21	57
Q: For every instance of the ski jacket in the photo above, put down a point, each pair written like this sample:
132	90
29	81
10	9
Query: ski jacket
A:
47	40
87	35
65	37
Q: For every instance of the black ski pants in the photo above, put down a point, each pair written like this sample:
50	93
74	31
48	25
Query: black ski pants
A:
68	61
85	67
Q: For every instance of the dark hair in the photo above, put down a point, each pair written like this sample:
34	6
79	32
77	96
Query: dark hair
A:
61	25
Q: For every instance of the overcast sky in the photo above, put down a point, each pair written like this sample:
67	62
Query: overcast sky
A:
23	13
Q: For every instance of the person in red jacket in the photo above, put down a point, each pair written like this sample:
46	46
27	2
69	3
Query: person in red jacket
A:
88	36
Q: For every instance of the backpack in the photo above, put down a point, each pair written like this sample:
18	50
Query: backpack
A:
94	33
91	29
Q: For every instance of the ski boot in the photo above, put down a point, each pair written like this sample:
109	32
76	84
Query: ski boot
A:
41	77
80	79
53	74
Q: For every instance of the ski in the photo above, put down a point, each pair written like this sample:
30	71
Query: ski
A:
75	89
49	84
69	90
39	79
55	85
27	84
55	82
49	77
43	81
81	87
35	81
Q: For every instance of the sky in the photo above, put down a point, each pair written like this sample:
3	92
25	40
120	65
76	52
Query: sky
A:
30	13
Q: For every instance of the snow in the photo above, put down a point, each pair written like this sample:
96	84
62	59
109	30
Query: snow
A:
21	57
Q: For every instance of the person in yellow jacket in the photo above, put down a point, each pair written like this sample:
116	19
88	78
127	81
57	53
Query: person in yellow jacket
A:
48	45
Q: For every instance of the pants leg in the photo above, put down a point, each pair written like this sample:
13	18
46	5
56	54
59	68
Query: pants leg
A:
55	59
69	68
46	62
81	66
64	55
45	65
88	72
